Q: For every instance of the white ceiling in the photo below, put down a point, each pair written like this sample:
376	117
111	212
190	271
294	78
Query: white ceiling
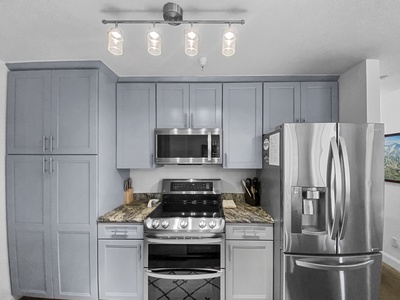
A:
280	37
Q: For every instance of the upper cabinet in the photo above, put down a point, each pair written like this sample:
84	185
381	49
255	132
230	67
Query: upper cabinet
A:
52	112
289	102
183	105
135	125
242	125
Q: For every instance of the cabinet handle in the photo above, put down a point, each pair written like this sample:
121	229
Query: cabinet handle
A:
44	138
151	160
226	160
44	162
51	143
191	120
51	166
186	120
140	252
229	252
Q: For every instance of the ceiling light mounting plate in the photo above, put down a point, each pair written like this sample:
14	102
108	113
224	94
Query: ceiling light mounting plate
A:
173	12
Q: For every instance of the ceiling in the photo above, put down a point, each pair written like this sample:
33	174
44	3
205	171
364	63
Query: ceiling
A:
280	37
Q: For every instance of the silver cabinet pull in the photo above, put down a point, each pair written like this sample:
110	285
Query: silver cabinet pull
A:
151	159
140	252
191	120
186	120
226	160
51	143
44	163
51	165
44	139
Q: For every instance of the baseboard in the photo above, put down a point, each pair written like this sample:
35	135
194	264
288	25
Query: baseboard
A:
391	261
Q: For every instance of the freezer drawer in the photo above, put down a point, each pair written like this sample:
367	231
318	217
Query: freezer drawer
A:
332	277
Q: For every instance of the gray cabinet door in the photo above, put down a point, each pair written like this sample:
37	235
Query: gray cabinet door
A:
74	112
173	105
74	231
121	269
135	125
249	270
28	112
206	105
242	125
52	112
319	102
281	104
28	225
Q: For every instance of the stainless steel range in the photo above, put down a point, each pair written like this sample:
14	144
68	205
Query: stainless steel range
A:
184	244
188	206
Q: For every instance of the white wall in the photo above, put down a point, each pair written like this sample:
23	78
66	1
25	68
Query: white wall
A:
390	112
5	289
359	93
149	181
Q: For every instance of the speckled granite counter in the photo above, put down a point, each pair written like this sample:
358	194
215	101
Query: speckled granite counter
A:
130	213
243	213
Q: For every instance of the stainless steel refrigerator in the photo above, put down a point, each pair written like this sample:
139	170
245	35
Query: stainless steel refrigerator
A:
324	185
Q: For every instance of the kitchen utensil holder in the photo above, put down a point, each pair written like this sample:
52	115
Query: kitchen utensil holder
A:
252	201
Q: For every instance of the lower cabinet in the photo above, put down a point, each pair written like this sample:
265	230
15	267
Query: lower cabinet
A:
249	262
51	223
120	261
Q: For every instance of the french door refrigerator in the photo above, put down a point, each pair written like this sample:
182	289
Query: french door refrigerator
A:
324	185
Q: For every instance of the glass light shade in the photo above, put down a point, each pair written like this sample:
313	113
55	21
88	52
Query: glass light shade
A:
191	42
154	42
115	41
228	42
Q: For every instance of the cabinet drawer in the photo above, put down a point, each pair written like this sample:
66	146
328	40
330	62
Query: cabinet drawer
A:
119	231
249	232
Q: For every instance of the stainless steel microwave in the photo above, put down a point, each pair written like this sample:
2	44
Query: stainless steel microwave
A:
188	146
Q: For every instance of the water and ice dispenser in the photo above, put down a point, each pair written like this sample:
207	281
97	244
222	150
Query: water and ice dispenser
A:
309	210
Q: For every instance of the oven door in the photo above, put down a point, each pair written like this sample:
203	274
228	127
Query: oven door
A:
184	268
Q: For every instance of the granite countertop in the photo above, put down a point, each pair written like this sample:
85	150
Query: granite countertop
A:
243	213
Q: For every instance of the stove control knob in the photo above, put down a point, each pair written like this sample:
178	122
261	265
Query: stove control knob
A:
165	224
212	224
184	223
202	224
155	224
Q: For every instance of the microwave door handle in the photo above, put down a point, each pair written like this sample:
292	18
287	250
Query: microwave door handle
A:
215	274
209	146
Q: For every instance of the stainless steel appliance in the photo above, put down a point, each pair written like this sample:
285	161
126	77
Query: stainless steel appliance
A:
188	146
323	184
184	244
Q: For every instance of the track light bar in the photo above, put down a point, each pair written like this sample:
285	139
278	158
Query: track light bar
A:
210	22
173	15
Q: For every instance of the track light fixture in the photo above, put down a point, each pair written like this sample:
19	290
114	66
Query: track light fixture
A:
173	15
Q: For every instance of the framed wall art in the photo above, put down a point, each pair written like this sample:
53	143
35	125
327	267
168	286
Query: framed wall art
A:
392	157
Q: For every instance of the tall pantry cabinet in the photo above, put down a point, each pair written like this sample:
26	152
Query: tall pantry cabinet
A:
61	174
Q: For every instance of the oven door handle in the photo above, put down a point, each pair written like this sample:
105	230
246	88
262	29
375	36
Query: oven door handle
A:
214	274
185	241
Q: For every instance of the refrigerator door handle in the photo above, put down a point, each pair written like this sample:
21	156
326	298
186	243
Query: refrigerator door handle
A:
346	175
335	194
329	267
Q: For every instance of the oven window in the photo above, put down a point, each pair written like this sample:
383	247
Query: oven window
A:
187	146
166	289
184	256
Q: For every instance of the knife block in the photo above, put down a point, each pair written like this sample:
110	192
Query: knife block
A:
252	201
128	196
